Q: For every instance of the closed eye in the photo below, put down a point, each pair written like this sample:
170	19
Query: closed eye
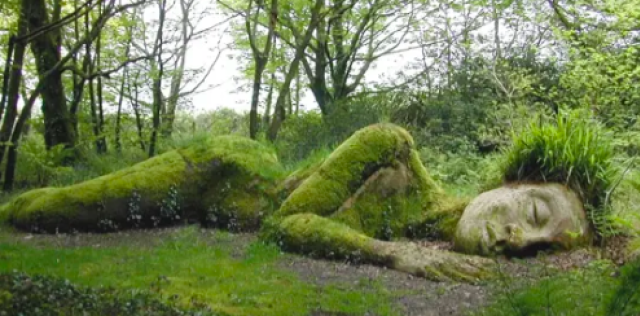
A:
541	213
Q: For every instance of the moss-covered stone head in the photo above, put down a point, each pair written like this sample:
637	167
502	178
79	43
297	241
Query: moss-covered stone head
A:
520	218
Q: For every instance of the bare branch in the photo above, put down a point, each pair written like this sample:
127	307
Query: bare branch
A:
106	73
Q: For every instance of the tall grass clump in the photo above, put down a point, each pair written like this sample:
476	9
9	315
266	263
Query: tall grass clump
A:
572	149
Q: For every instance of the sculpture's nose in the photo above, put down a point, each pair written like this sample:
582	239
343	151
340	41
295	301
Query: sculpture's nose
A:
502	238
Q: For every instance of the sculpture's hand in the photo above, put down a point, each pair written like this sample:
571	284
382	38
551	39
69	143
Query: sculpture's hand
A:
438	265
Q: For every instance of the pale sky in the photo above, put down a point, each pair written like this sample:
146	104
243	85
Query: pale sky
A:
226	72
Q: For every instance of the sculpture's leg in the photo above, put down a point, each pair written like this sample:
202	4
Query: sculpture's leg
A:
318	236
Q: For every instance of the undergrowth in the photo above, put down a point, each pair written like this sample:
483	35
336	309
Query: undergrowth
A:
592	290
38	295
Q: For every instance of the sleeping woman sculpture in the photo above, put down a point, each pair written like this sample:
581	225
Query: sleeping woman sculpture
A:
363	203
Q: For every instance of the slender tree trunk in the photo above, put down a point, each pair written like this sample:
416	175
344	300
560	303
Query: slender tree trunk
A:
176	79
136	111
119	112
12	155
121	100
496	31
7	74
101	141
158	65
78	82
278	116
25	96
94	114
15	78
261	59
297	94
57	121
255	97
92	94
156	108
267	111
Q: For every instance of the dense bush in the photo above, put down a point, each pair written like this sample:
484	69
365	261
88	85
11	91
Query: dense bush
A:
461	171
21	294
311	131
571	149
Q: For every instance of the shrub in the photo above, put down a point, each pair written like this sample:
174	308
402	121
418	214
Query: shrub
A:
21	294
37	166
579	292
572	149
460	171
311	131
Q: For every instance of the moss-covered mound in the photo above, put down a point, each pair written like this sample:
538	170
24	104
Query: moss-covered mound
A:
225	181
374	183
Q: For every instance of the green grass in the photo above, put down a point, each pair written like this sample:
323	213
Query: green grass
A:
193	266
579	292
587	291
572	149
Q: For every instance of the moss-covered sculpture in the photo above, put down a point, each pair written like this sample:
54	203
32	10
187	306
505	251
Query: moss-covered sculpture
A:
372	188
224	180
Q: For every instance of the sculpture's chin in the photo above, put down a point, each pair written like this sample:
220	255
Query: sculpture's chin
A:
530	250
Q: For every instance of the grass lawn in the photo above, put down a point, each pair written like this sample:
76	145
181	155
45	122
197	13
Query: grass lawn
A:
207	267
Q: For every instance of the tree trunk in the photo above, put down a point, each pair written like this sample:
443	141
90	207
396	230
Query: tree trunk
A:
496	31
119	112
12	156
176	79
78	82
278	116
157	80
101	141
267	111
25	96
57	121
260	57
15	78
297	94
157	104
92	94
136	111
255	97
6	75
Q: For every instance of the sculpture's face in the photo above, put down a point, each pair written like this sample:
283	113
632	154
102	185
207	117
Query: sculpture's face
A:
520	218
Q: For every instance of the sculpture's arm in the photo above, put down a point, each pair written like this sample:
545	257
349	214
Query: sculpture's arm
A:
321	237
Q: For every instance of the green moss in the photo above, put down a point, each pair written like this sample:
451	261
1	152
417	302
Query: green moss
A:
346	169
240	202
293	180
633	249
441	221
321	237
374	182
158	191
